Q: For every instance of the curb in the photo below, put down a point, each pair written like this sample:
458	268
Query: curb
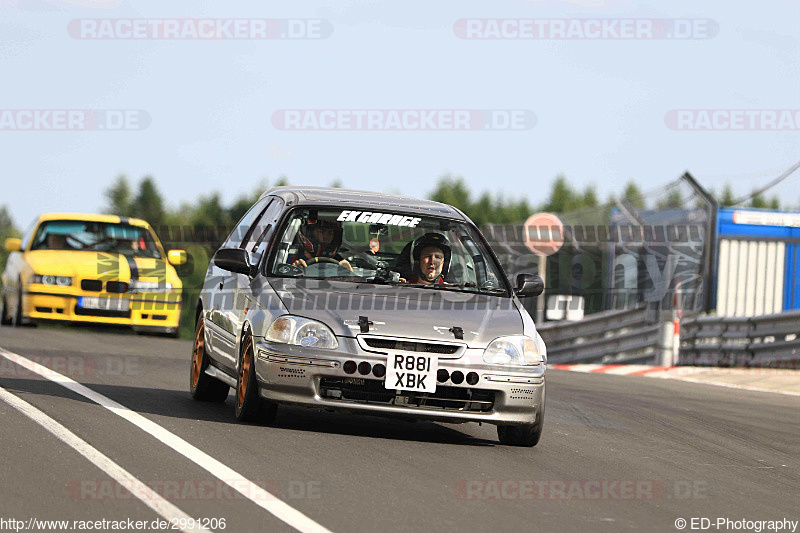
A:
775	380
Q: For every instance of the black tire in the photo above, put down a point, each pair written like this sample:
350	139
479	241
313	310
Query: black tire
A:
527	435
4	320
250	407
202	386
17	321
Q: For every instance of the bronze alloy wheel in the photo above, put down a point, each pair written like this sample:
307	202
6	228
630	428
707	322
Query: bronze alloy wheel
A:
198	352
244	371
202	386
250	407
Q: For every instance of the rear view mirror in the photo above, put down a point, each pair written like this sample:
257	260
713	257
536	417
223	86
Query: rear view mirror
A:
13	245
529	285
378	229
234	260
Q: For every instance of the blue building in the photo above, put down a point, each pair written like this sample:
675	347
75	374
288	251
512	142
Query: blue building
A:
756	262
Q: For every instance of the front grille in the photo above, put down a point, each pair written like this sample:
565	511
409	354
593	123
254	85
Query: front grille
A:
411	346
372	391
94	285
82	311
117	287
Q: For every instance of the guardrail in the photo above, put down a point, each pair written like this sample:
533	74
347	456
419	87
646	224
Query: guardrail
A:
628	336
769	340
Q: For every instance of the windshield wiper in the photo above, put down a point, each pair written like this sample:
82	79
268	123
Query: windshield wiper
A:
467	286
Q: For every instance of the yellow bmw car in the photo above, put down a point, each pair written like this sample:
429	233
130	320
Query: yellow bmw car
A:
94	269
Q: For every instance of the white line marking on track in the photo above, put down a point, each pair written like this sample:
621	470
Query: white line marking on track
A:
264	499
136	487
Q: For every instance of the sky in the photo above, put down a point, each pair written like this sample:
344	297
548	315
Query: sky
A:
227	114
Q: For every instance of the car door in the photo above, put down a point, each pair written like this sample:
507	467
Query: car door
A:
247	290
220	296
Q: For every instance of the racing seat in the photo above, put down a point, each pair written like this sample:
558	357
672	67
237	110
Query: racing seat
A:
404	264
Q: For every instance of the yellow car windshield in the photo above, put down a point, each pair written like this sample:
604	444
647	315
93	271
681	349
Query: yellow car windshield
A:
96	237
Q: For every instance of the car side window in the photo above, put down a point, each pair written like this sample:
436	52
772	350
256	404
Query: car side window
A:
241	230
263	226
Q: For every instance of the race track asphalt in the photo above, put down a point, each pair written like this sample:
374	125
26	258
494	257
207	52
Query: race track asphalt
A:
619	453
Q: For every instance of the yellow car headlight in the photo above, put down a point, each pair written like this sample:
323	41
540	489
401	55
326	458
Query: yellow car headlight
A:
61	281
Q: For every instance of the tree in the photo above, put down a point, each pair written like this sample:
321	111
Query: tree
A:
209	211
590	197
337	184
482	211
758	202
148	204
727	196
775	203
453	191
562	197
633	195
118	198
674	200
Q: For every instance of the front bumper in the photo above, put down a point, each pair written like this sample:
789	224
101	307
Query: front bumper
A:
316	378
159	312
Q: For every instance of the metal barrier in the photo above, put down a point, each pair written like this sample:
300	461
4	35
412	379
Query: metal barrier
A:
629	336
769	340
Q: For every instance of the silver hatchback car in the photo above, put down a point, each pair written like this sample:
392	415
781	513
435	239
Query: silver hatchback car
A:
369	303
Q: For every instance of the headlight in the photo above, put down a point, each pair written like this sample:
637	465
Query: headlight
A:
62	281
138	285
512	350
301	331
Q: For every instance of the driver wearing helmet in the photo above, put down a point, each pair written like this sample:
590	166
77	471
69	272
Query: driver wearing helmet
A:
319	238
431	255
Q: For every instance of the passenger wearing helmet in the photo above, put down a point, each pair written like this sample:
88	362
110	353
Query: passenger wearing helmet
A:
319	238
431	255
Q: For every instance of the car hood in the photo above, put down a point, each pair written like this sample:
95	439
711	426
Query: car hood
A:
99	265
399	311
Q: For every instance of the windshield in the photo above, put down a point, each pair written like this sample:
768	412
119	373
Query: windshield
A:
385	247
96	237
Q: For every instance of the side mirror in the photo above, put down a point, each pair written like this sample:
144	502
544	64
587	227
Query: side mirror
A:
176	257
13	245
529	285
234	260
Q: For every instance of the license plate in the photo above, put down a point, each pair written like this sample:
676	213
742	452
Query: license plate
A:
411	372
104	304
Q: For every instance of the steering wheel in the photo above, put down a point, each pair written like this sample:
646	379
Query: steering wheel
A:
320	259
